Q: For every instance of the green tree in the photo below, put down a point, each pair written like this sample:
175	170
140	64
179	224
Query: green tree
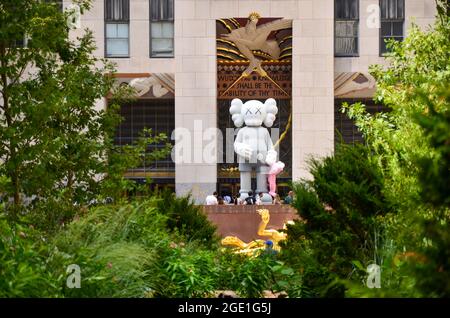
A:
55	143
340	227
51	135
411	147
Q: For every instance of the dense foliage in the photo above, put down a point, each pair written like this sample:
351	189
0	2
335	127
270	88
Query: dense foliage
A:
385	202
129	250
340	212
187	218
24	263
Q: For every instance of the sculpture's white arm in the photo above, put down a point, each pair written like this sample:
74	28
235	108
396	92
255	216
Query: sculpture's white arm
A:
271	153
241	148
274	26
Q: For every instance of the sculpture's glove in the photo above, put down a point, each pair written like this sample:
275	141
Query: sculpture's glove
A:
271	157
244	151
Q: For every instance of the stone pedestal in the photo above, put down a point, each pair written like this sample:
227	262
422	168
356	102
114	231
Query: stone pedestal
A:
243	220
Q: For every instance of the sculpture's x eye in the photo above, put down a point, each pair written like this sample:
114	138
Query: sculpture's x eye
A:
248	112
258	111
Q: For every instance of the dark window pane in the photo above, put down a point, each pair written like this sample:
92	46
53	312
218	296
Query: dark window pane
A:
386	28
161	10
117	10
339	9
346	9
353	9
397	28
383	9
392	9
154	8
383	48
169	10
400	9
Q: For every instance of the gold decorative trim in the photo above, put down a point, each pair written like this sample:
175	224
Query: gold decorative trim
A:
226	41
225	24
286	49
226	57
286	55
235	22
231	51
285	38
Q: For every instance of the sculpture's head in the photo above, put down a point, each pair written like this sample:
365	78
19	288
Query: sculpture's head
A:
253	112
254	16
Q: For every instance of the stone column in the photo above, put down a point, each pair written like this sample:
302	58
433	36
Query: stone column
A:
312	83
195	94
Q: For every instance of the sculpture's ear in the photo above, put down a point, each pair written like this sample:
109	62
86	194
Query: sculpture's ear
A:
271	106
235	111
271	110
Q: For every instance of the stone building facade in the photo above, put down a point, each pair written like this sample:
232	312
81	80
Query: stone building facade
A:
174	42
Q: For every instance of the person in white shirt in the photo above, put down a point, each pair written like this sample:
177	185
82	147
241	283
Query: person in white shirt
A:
212	199
227	199
259	199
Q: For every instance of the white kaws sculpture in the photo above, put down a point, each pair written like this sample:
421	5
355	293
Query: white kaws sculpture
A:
253	144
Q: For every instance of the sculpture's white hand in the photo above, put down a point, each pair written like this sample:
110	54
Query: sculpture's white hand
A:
271	157
247	152
244	150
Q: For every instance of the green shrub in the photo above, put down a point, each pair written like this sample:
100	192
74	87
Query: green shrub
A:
339	225
411	147
187	218
188	271
51	214
129	250
117	249
251	276
24	263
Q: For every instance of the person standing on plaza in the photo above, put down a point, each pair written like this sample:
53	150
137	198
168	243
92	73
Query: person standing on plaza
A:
250	200
289	198
212	199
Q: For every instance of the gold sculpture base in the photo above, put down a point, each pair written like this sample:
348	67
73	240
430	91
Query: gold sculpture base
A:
255	247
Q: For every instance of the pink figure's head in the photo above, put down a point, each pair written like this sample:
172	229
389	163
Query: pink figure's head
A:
276	168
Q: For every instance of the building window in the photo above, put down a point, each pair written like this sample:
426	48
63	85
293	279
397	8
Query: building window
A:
161	28
157	114
346	24
345	128
117	18
392	22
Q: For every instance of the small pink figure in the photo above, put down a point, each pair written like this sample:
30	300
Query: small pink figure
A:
275	169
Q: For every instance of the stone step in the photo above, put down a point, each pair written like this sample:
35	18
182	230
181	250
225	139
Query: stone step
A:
243	220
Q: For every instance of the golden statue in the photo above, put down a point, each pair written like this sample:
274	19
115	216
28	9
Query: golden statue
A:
252	37
258	245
